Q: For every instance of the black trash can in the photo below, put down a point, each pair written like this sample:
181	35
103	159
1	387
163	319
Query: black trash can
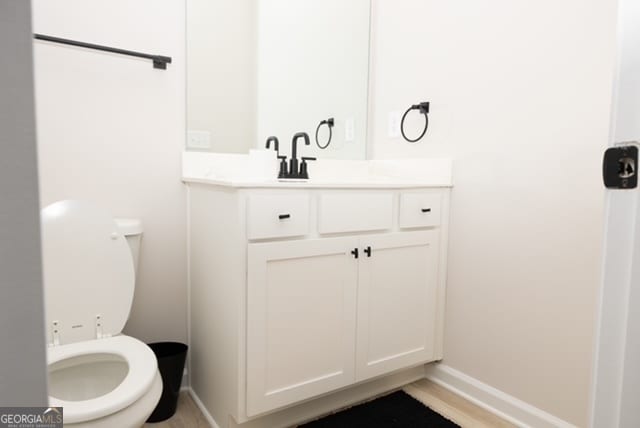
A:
171	357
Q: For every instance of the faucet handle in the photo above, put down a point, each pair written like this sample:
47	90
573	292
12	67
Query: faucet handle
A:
283	172
304	173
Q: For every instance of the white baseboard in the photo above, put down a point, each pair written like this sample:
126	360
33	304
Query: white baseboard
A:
322	405
203	409
184	385
504	405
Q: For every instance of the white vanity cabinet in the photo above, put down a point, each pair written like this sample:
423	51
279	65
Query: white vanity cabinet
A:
301	320
296	292
397	295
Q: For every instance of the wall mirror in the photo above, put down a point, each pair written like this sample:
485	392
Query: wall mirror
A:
257	68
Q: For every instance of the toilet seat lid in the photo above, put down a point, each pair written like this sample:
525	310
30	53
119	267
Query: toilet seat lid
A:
89	276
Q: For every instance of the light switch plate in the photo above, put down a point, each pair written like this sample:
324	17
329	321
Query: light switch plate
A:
198	139
394	124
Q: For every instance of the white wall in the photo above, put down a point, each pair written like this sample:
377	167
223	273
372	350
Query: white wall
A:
520	95
313	60
23	376
111	130
221	72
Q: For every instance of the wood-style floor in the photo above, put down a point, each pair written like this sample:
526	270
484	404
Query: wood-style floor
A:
454	407
188	415
448	404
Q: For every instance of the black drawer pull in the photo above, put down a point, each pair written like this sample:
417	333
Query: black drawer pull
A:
284	216
367	251
426	210
355	253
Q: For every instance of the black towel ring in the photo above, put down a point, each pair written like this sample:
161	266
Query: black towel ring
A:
329	122
424	109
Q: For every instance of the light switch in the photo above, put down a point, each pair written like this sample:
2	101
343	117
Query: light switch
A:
198	139
394	124
349	130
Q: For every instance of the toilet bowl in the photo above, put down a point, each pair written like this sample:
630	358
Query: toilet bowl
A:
99	376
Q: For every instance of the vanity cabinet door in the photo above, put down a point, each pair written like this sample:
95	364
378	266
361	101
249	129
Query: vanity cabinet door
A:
397	296
301	315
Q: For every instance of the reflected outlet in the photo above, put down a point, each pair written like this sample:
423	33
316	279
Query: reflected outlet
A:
198	139
349	130
394	124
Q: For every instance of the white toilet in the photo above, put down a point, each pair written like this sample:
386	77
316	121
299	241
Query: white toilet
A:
99	376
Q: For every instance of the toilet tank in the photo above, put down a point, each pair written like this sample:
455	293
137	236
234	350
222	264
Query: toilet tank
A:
131	228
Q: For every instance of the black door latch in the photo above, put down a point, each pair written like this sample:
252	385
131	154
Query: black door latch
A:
619	167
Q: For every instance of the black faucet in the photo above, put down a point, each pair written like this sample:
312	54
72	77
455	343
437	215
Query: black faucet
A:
293	171
293	162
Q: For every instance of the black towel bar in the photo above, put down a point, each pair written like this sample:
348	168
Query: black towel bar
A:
159	61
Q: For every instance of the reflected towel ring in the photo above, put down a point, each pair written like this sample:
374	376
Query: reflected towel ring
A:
423	107
329	122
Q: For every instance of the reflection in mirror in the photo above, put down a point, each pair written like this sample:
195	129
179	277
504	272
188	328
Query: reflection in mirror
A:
261	68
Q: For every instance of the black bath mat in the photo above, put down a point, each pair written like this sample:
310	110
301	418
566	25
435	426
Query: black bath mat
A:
396	410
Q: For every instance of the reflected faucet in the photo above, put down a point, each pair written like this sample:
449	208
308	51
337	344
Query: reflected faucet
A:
283	173
276	143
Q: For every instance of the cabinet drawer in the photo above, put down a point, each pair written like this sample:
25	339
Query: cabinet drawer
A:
354	212
277	216
420	209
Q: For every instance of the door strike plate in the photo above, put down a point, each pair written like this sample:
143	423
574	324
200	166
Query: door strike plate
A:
619	167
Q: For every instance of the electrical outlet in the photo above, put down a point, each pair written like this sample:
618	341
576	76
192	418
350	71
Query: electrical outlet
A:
394	124
349	130
198	139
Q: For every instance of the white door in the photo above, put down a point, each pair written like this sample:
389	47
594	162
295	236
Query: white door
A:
300	320
616	377
397	286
